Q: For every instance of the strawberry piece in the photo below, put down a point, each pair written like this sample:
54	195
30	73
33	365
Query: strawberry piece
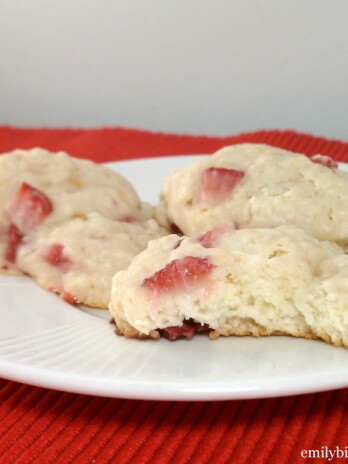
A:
325	161
207	239
130	219
211	237
55	256
180	275
174	229
217	183
69	298
14	239
66	296
29	207
187	330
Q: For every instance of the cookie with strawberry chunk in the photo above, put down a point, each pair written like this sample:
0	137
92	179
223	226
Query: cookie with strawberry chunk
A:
41	188
77	258
235	282
254	185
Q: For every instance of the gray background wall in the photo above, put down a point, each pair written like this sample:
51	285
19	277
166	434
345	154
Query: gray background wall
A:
190	66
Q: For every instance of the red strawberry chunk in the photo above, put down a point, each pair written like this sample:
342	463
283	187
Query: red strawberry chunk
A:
207	239
325	161
29	207
174	229
14	239
180	275
210	238
217	183
66	296
69	298
55	256
130	219
186	330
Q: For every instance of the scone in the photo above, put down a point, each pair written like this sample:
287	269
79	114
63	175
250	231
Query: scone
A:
258	186
77	258
38	187
235	282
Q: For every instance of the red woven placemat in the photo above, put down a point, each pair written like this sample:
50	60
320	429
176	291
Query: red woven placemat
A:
46	426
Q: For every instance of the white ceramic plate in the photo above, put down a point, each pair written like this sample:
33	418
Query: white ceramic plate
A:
46	342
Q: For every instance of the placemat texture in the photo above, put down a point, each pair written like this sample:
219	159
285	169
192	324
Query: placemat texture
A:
46	426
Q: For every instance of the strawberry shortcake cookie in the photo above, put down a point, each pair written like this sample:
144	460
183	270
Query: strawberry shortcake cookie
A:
77	258
254	186
41	188
235	282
